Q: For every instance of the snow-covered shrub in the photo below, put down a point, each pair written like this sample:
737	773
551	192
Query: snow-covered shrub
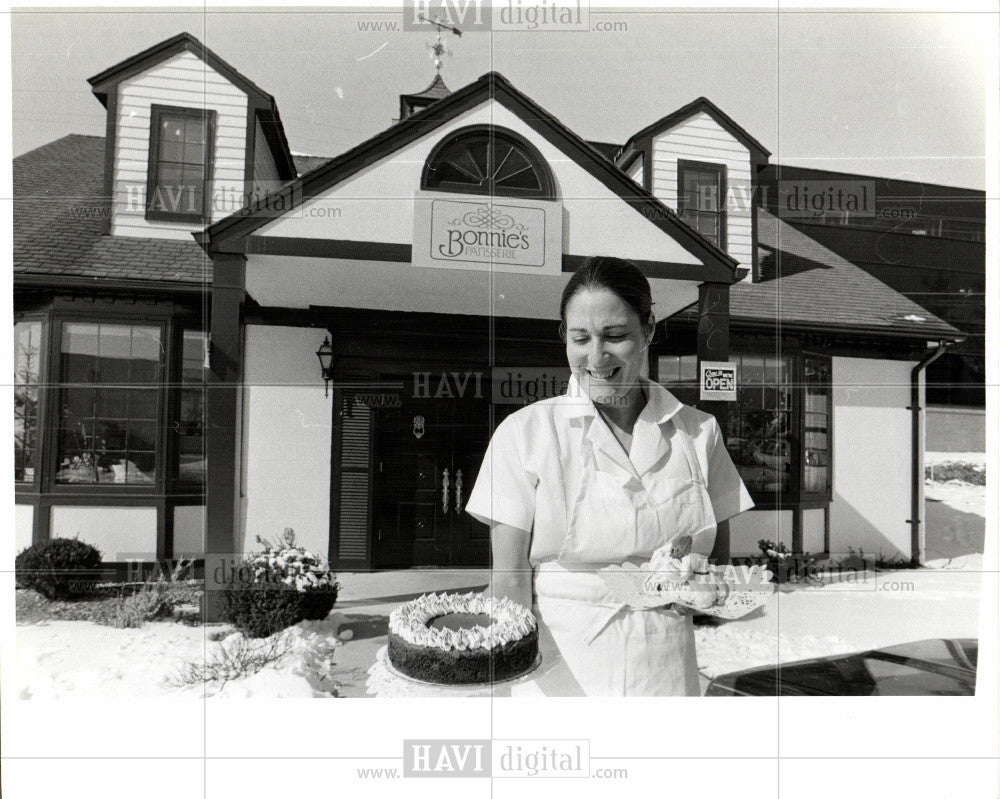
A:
278	587
62	568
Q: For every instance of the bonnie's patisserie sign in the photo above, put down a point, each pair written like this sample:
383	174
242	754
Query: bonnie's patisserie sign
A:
468	232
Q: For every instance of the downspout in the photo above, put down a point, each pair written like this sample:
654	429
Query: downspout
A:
916	471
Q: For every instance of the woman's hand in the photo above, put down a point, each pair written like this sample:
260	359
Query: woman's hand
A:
511	575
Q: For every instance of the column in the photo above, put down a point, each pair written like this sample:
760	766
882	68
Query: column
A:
713	345
222	444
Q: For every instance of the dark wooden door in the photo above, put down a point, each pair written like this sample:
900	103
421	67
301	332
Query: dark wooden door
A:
427	457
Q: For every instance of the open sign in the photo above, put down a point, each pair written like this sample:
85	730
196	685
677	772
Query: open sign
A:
718	381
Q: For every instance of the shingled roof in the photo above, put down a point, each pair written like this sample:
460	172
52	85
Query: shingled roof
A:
819	290
61	224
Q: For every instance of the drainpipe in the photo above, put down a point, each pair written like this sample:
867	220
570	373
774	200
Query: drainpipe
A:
917	472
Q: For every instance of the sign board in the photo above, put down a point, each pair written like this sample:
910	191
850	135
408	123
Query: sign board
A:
460	231
718	381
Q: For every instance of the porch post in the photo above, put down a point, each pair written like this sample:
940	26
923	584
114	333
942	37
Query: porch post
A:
222	444
713	345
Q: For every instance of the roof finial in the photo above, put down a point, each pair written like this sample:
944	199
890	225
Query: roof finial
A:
438	47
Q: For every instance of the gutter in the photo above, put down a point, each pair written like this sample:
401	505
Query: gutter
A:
917	459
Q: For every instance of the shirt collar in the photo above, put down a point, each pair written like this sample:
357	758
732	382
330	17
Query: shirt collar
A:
660	406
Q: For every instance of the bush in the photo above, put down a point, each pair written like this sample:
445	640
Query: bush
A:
260	610
62	568
136	609
277	588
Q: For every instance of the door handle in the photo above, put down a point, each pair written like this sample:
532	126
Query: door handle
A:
458	491
445	483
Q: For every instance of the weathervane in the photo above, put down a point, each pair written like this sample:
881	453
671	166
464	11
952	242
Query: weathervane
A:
438	47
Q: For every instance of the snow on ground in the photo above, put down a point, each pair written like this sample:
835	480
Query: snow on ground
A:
59	659
81	659
972	458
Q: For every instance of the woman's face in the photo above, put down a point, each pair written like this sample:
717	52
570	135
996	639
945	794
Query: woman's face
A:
605	345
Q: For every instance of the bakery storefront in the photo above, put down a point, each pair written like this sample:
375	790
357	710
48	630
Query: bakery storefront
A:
424	268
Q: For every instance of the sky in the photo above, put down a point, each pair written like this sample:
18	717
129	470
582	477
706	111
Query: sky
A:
893	94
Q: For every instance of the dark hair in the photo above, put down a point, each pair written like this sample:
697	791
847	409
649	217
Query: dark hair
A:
617	275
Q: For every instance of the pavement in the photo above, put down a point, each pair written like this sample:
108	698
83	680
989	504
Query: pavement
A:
843	613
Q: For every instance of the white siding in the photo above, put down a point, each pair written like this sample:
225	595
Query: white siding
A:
24	516
871	457
184	81
287	429
700	138
189	531
119	533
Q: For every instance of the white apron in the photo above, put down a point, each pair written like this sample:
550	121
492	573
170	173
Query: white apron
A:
592	645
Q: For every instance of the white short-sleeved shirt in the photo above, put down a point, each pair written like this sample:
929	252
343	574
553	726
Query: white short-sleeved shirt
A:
532	469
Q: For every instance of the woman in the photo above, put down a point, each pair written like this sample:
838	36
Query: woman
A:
607	473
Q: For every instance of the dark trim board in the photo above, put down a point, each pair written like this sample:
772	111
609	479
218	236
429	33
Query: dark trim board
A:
403	253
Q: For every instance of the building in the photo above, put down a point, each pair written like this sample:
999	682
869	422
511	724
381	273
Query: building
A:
169	400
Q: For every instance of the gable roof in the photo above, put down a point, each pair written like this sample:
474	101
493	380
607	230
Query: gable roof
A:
820	290
698	106
230	234
61	220
105	83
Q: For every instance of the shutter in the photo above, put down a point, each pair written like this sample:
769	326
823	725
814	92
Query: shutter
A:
355	452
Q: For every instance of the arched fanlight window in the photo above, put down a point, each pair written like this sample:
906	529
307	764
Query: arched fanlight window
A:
488	160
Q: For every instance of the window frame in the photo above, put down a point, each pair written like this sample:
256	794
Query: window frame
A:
797	498
37	456
156	114
683	166
51	437
495	133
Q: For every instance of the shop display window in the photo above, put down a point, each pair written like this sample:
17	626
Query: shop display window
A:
778	431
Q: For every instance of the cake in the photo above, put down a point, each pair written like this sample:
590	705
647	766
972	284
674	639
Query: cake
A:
462	639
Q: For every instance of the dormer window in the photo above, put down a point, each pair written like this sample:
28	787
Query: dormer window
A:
180	164
491	161
701	199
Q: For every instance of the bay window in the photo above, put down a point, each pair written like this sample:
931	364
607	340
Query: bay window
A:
116	403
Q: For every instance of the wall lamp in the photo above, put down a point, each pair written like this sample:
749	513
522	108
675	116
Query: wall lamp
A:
325	355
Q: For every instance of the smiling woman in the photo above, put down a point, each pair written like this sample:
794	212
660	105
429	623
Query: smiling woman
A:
608	473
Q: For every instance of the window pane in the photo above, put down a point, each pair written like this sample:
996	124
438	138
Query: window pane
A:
816	469
191	441
27	372
180	171
102	420
761	440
